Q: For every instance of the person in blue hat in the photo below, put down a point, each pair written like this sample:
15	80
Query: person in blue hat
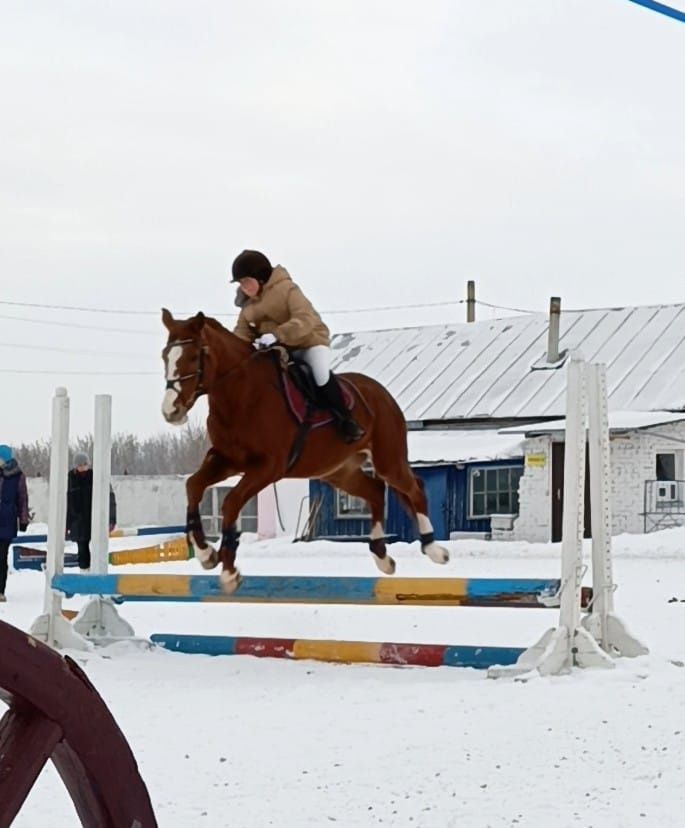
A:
14	508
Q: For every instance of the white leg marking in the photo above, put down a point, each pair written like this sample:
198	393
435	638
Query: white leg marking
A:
437	554
386	564
377	531
205	554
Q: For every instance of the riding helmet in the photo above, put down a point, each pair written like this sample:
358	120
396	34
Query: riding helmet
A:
252	263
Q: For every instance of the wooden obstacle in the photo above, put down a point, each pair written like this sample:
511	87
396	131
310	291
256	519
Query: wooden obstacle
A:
342	652
595	641
56	713
441	592
176	549
284	589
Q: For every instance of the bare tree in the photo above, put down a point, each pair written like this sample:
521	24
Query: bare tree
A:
177	453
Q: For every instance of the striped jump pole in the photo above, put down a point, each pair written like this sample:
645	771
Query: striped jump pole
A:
175	549
342	652
278	589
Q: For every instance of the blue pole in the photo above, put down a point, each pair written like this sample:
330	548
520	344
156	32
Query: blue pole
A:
661	8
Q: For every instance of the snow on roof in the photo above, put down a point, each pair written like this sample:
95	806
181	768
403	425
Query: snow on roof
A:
618	421
462	446
497	368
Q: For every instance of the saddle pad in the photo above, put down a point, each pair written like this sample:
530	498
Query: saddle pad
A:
298	405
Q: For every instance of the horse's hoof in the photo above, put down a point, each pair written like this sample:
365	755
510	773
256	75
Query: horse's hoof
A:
437	554
204	552
385	564
230	581
209	563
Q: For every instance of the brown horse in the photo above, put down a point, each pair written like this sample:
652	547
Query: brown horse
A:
251	431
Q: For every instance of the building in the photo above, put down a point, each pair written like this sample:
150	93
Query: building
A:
507	377
460	471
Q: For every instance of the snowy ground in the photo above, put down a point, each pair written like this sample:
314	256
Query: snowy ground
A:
250	742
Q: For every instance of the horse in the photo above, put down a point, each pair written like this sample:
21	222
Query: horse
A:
251	431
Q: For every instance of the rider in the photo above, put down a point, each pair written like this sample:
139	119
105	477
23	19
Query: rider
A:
274	309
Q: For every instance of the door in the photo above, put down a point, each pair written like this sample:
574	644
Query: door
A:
558	454
435	487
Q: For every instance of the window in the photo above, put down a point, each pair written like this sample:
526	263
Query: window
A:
247	520
665	467
494	491
349	506
210	510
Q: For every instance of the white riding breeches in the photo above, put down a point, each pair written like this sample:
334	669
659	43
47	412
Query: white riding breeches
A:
318	358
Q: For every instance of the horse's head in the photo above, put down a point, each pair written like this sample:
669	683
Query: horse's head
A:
183	355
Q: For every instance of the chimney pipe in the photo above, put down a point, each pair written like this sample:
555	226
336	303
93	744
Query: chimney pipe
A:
553	335
470	301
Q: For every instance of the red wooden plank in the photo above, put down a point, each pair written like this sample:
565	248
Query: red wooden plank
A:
265	647
421	655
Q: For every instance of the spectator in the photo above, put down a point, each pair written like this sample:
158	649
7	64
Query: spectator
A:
14	508
80	505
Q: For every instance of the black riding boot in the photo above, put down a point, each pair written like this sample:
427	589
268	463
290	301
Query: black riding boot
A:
332	396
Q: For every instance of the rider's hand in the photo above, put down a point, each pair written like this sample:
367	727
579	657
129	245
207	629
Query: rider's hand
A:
265	340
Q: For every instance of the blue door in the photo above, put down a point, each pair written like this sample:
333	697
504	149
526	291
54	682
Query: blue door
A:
435	485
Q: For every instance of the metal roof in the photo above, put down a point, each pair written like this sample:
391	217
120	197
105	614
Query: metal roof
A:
497	369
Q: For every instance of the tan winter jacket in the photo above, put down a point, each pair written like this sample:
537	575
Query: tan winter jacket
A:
283	310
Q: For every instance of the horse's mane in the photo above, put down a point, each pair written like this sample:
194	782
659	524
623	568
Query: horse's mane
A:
214	323
229	336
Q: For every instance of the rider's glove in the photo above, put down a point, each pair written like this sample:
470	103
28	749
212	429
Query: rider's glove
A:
265	340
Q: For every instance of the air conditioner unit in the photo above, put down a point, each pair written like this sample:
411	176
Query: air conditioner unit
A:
666	491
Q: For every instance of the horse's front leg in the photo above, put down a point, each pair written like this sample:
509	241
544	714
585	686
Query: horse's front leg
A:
213	469
250	485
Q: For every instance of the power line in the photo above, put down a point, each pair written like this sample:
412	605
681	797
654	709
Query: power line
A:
503	307
124	312
82	373
78	325
80	351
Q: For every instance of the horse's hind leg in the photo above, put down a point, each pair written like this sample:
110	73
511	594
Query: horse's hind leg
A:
213	469
351	479
409	490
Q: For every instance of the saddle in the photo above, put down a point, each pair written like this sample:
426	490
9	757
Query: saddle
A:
301	392
302	398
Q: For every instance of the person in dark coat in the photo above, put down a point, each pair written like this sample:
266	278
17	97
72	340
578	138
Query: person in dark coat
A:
14	508
80	505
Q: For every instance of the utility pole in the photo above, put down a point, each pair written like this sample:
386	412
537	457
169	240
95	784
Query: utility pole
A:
470	301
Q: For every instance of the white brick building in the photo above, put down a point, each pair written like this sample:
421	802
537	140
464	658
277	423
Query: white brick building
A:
504	373
647	491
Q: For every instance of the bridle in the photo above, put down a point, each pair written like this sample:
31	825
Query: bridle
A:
171	383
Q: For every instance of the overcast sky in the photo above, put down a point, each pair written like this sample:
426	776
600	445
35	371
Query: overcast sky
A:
384	152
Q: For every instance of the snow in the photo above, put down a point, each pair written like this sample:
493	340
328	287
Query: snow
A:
250	742
466	446
618	421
